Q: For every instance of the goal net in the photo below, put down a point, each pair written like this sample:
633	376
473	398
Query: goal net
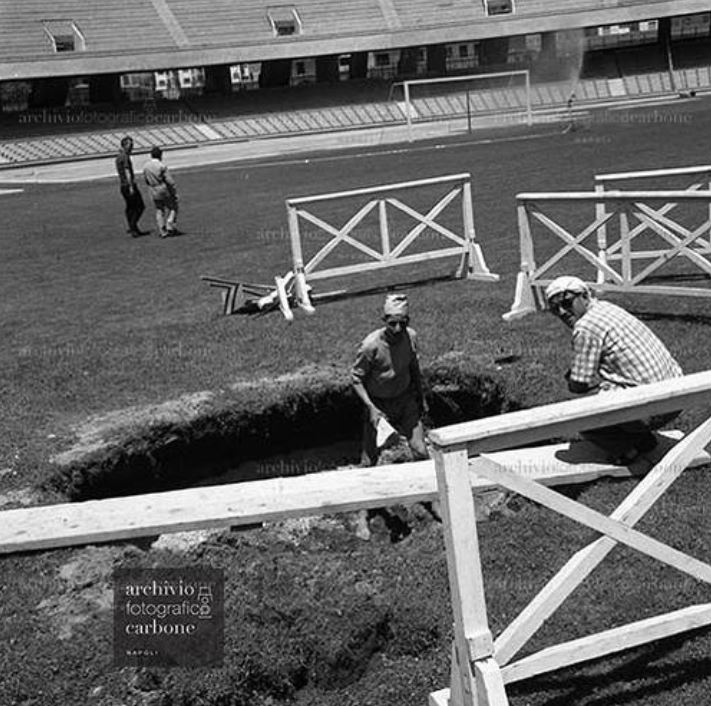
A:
466	98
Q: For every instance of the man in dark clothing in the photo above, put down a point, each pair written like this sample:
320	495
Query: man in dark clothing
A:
129	190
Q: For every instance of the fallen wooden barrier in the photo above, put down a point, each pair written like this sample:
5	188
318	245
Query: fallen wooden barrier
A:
274	499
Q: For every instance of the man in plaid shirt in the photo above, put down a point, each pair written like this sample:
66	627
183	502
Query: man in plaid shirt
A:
611	350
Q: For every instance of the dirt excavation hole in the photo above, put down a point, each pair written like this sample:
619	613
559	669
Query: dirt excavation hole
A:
305	422
347	609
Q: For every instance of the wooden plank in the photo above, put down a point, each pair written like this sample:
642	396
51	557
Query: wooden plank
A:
583	562
528	426
667	195
440	698
677	171
379	189
464	567
274	499
389	262
609	642
489	684
600	523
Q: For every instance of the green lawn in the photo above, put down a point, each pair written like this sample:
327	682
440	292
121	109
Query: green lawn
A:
94	321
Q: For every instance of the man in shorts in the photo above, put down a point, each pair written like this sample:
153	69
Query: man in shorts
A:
386	377
611	350
163	192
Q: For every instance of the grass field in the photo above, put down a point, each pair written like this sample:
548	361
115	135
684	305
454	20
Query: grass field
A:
95	321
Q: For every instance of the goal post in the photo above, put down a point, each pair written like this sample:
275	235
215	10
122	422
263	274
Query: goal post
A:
502	92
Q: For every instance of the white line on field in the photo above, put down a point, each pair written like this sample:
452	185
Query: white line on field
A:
10	191
376	153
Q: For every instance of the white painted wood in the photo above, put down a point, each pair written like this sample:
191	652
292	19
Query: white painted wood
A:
574	243
489	683
676	171
464	567
384	227
618	531
280	498
426	221
600	214
608	642
657	290
441	698
612	196
663	227
450	178
540	423
583	562
379	265
625	243
341	235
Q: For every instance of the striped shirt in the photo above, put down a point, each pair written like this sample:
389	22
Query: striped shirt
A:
612	346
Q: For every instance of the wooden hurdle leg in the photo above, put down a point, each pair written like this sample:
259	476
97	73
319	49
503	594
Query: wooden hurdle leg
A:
301	293
477	679
524	300
283	297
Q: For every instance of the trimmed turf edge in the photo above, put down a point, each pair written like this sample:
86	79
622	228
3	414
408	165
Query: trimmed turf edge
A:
252	421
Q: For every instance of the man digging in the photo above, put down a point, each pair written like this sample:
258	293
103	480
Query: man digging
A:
386	377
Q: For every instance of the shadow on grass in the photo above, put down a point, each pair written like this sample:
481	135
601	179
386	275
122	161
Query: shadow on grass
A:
703	319
638	666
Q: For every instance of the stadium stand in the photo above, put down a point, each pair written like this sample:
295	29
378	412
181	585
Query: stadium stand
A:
640	60
106	27
692	53
418	12
165	28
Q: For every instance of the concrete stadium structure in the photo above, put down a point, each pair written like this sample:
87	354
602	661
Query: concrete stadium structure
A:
102	40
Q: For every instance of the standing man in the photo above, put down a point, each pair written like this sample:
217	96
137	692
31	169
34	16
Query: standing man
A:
611	350
129	189
163	192
386	377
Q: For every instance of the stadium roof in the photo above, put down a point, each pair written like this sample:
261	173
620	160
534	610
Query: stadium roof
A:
75	37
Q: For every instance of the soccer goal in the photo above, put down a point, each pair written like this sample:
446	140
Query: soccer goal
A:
468	97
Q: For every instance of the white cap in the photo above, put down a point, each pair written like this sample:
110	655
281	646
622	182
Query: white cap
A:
567	283
396	305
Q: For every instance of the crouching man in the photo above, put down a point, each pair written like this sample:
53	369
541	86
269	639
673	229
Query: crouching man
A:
611	350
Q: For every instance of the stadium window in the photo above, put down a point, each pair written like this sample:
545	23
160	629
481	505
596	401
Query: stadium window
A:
382	59
64	35
285	20
498	7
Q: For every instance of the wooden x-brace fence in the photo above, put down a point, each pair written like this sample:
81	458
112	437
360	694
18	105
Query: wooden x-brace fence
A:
603	182
649	208
481	666
463	240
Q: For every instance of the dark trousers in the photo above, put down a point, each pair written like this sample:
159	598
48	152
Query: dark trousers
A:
134	206
619	440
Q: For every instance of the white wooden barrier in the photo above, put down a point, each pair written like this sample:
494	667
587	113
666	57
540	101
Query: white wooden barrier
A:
275	499
650	209
482	665
463	243
603	182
